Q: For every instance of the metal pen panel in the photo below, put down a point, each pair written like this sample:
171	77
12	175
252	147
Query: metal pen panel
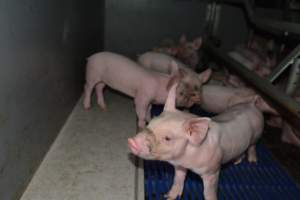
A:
287	106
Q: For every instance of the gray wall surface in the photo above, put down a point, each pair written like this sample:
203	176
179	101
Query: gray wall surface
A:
42	54
233	28
134	26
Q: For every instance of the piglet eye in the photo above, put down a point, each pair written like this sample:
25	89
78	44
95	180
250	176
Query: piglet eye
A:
167	138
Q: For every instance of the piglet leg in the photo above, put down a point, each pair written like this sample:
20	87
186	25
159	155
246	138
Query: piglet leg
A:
88	89
210	183
178	183
141	107
252	158
100	98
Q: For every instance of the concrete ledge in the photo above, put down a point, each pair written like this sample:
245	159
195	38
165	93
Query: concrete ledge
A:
89	160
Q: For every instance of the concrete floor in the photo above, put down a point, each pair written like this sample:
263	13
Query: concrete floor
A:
90	159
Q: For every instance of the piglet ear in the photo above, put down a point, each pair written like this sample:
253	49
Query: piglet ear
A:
196	129
263	106
204	76
171	99
182	39
197	43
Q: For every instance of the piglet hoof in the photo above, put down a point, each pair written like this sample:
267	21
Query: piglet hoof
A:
87	107
252	159
169	197
104	109
176	191
239	160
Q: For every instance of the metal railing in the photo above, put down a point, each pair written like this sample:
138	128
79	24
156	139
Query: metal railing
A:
288	107
275	26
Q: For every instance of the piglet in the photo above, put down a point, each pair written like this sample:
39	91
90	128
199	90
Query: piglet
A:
190	82
167	46
188	51
126	76
266	48
217	98
159	62
289	134
200	144
252	60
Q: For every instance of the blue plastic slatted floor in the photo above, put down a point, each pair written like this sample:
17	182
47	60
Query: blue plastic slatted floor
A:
265	180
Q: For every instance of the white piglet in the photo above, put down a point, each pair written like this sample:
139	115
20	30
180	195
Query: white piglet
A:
200	144
124	75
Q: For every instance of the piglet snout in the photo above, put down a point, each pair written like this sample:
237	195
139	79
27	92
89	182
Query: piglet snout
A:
133	146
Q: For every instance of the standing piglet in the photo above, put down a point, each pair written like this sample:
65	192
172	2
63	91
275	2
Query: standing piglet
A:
126	76
190	82
200	144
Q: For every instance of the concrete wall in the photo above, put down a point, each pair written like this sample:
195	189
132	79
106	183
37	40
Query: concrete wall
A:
42	54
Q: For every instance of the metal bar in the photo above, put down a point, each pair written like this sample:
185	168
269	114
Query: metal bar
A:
209	17
213	5
293	78
273	25
216	21
288	60
287	106
139	182
270	25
